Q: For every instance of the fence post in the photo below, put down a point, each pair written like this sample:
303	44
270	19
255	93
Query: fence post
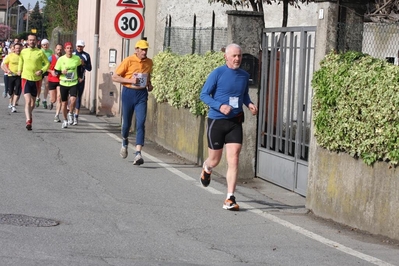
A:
166	32
170	29
194	29
213	31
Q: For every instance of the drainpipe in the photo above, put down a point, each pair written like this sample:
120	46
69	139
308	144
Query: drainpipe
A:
143	32
127	48
93	92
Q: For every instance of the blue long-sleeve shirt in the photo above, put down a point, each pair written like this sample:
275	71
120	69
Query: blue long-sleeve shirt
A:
223	86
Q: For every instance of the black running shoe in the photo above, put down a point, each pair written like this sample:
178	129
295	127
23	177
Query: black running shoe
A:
205	178
138	160
231	204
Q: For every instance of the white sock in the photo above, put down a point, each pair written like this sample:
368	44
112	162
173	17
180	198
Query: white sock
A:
207	168
229	195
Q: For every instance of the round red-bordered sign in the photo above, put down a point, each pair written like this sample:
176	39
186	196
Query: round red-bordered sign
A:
129	23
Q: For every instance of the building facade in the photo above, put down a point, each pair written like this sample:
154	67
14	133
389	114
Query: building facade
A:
96	26
14	15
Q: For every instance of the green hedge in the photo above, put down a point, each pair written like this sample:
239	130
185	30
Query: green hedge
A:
356	106
178	79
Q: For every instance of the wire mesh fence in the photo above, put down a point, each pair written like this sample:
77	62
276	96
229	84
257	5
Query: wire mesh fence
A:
194	40
379	40
61	38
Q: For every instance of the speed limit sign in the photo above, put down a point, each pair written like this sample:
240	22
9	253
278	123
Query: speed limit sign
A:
129	23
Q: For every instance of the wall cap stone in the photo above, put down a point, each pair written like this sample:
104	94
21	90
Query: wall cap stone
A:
244	13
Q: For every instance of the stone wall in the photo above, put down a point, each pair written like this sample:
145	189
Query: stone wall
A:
348	191
340	187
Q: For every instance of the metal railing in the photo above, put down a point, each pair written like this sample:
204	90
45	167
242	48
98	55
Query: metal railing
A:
190	40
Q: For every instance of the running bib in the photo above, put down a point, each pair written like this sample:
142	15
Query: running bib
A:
141	79
70	75
233	102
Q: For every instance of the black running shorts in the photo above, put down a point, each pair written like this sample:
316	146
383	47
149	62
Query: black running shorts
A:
68	91
31	87
53	85
221	131
14	85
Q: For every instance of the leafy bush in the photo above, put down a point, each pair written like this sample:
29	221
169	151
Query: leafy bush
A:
356	106
178	79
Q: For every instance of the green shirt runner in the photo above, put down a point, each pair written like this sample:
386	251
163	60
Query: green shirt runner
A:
71	64
48	52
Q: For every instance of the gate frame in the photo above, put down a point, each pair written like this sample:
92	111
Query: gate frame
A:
288	171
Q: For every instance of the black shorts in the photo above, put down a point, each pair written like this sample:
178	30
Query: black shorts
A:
14	85
221	131
53	85
29	86
68	91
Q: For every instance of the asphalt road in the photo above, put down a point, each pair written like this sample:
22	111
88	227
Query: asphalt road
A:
68	198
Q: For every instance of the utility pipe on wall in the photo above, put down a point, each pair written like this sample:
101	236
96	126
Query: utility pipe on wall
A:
143	32
127	48
93	80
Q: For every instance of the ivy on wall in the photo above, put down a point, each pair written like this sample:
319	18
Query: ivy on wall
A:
178	79
356	106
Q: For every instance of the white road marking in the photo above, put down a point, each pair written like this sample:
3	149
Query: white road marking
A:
316	237
270	217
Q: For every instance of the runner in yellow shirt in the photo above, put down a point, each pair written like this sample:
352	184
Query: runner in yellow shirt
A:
32	64
10	67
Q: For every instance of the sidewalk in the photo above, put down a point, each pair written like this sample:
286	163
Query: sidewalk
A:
267	196
255	187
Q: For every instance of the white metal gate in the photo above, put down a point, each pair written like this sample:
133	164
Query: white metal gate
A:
285	106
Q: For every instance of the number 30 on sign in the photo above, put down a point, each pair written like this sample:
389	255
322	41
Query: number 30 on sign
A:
129	23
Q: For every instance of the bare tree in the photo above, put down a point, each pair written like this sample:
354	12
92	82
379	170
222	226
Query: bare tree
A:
257	5
384	11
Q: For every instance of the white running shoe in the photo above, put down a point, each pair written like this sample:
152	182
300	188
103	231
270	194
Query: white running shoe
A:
70	118
123	152
13	109
65	124
75	120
